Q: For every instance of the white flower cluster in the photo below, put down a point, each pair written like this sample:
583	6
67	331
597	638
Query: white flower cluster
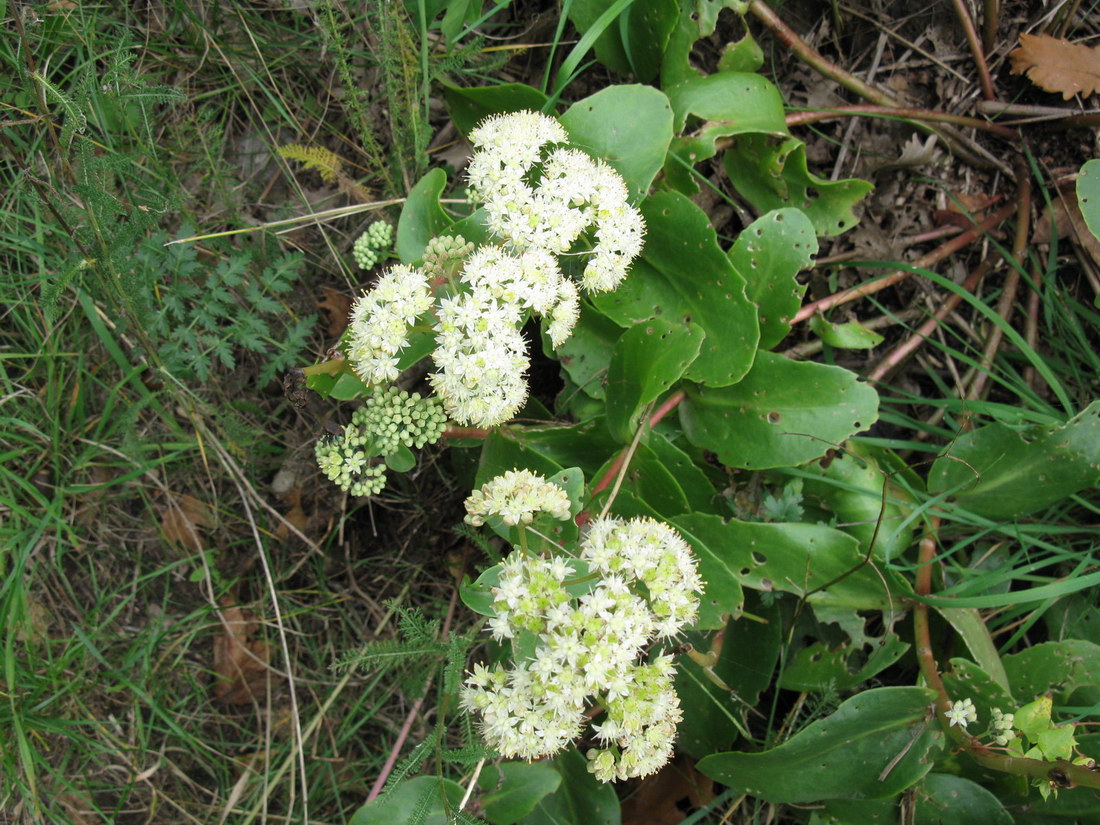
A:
538	200
540	197
366	249
389	419
591	646
516	496
379	326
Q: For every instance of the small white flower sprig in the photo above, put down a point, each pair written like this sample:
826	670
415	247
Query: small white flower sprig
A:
544	200
592	648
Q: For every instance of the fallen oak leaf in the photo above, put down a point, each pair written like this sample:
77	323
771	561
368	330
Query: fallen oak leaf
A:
1056	65
240	661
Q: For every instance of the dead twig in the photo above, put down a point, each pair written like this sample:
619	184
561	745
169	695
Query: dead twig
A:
906	112
967	23
966	149
923	262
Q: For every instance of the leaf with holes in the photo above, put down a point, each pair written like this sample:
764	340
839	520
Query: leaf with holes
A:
772	173
769	254
1088	195
792	558
782	413
1002	473
727	103
683	276
647	359
874	745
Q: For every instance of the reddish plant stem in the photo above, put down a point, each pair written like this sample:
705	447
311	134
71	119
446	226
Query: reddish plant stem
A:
991	12
921	633
667	406
800	118
923	262
971	33
414	711
909	345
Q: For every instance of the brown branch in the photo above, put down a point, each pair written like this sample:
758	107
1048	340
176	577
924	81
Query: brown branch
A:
971	33
906	112
923	262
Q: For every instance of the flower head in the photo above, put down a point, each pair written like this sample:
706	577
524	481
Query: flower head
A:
961	713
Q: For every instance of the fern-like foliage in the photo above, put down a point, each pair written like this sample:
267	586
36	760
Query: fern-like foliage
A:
314	158
202	317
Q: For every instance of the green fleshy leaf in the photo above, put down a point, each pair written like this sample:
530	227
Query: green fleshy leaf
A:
587	445
579	799
422	218
1034	718
698	19
971	627
697	488
875	745
1053	667
743	56
850	487
646	361
1088	195
1002	473
514	789
794	558
769	254
850	335
628	126
943	799
586	354
750	650
727	103
347	387
772	173
403	805
965	680
635	43
683	276
1057	743
401	460
820	666
470	105
782	413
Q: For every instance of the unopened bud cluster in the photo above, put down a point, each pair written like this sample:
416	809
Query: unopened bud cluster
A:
592	648
543	200
368	247
389	419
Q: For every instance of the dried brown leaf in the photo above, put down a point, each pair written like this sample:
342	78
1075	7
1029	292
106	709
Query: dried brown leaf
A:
182	518
658	798
240	661
337	306
1056	65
